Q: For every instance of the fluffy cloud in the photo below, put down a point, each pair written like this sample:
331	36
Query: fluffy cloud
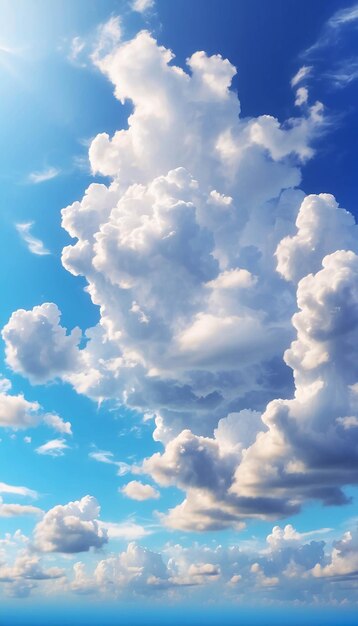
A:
198	254
135	570
18	413
37	345
290	567
139	491
141	6
71	528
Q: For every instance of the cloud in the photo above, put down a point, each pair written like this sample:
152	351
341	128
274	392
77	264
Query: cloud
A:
343	561
18	490
77	47
344	16
303	72
35	245
18	510
334	28
18	413
71	528
135	570
301	96
141	6
107	37
54	447
139	491
207	265
38	345
128	530
342	73
42	176
104	456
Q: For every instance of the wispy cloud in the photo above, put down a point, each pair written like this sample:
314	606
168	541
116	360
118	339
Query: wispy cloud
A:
76	49
302	73
344	16
35	245
333	27
54	447
18	490
43	175
104	456
344	73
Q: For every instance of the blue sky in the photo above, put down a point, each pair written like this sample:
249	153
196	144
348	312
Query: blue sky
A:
178	404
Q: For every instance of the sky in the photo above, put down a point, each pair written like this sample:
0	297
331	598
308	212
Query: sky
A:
179	381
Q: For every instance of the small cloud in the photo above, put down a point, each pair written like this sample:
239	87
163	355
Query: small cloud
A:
301	96
104	456
78	46
302	73
141	6
139	491
43	175
54	447
128	530
57	423
35	245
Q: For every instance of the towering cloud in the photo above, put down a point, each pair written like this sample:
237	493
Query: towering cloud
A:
221	289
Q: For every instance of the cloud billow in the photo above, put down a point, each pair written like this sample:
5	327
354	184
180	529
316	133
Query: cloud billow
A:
198	253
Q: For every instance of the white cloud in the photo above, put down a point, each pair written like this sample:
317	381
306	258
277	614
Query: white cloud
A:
18	510
198	254
38	345
128	530
301	96
141	6
139	491
344	16
107	37
54	447
18	490
334	28
57	423
104	456
18	413
71	528
42	176
35	245
303	72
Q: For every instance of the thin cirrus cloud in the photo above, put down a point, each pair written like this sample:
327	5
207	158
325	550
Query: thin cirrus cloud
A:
34	245
42	176
343	70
